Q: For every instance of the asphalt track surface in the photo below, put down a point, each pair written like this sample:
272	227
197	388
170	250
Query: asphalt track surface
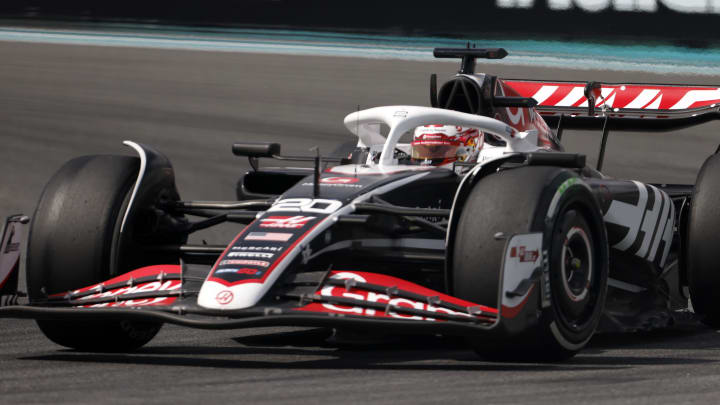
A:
61	101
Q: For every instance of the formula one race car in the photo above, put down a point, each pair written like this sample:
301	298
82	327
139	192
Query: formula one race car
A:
517	246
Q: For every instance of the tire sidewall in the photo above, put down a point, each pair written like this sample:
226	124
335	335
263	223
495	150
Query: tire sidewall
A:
571	193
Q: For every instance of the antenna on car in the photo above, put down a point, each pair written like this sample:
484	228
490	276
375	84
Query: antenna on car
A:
357	130
316	172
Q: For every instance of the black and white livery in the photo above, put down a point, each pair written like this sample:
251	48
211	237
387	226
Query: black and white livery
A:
523	250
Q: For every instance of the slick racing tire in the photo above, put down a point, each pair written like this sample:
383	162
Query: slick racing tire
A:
556	203
74	242
701	244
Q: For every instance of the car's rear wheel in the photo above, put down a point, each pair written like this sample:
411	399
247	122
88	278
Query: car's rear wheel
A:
75	242
520	201
701	243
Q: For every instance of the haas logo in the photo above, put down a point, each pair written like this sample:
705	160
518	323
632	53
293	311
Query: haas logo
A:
295	222
339	180
649	222
224	297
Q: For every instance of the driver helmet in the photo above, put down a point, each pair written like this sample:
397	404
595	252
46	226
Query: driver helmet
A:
443	144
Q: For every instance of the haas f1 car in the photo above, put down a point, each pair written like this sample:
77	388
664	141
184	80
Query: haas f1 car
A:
524	252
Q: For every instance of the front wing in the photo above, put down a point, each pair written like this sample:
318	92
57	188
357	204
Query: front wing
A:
329	298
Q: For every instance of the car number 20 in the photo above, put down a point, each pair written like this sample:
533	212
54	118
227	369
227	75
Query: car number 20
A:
317	205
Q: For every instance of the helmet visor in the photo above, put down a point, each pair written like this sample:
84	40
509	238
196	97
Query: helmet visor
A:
430	151
435	146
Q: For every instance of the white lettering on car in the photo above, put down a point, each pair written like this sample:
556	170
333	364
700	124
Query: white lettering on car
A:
261	263
369	296
648	225
317	205
169	285
260	255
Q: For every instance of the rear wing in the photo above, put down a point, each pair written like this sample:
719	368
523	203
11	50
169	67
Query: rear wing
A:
617	106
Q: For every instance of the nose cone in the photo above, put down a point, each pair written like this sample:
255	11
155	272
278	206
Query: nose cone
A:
214	295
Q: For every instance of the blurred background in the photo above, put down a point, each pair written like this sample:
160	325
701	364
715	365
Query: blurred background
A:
686	22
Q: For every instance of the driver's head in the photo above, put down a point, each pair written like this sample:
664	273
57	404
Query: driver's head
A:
443	144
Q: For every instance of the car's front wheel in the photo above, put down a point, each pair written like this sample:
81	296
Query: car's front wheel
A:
75	242
545	200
